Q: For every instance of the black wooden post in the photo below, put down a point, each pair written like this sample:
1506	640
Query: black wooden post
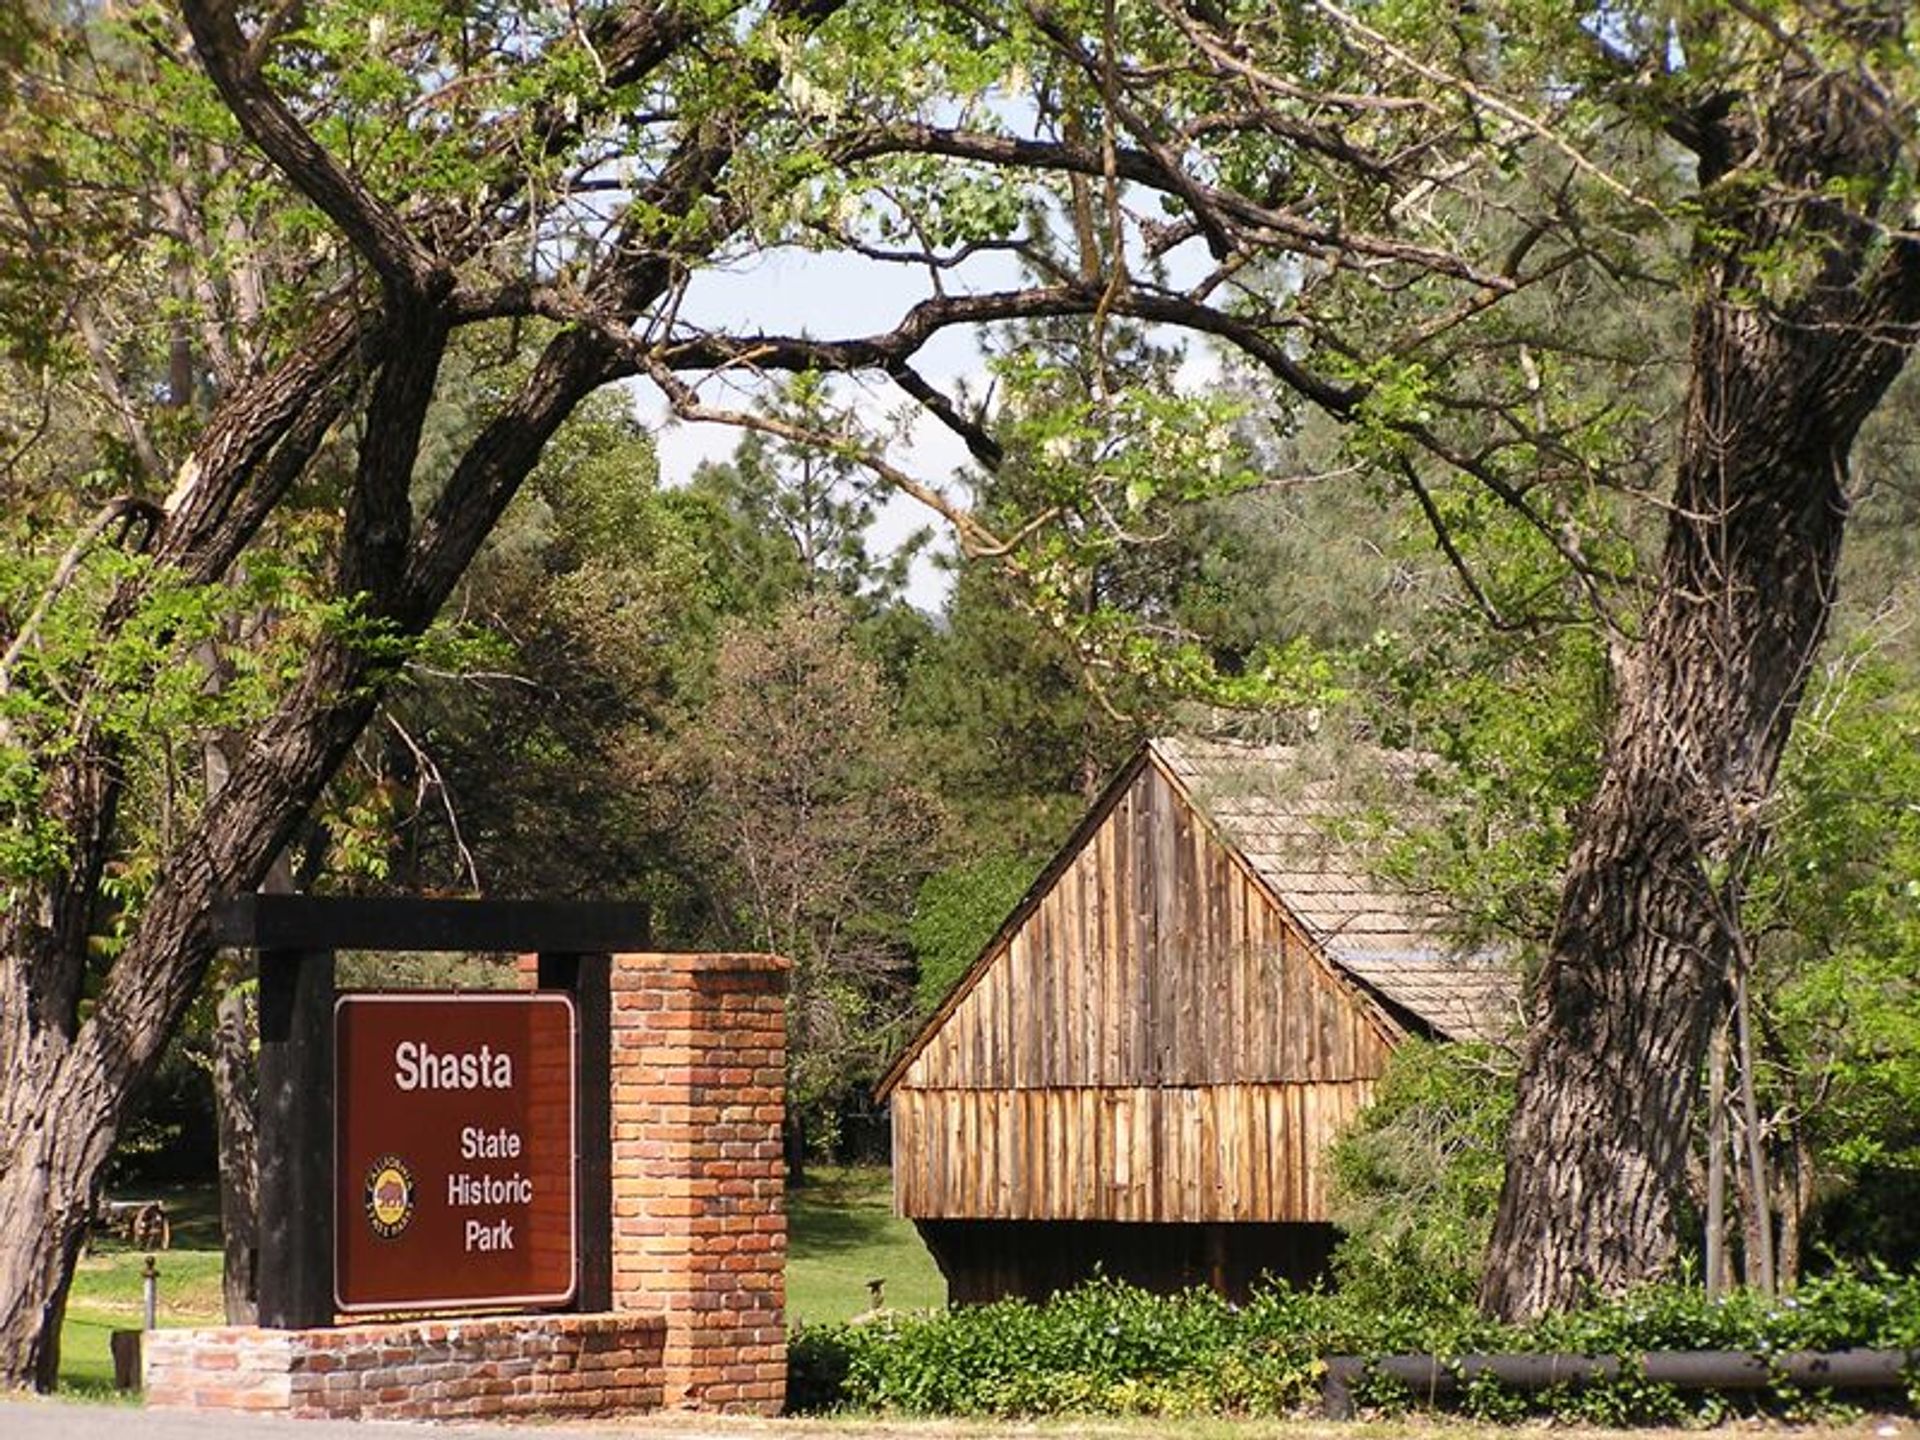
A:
295	1138
588	977
296	937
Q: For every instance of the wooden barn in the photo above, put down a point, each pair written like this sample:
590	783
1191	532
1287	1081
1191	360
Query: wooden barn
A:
1143	1069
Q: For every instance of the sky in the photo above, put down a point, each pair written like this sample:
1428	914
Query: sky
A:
830	296
835	296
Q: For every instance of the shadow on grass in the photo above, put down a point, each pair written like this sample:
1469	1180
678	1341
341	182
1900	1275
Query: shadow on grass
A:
815	1228
193	1213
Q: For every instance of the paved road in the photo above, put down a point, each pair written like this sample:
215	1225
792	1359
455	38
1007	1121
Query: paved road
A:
31	1419
61	1420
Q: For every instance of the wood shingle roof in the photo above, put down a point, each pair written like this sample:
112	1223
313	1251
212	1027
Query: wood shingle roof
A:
1294	820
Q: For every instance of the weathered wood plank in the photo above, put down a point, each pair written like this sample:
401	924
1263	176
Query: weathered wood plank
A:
1218	1153
1113	1069
1128	999
1092	969
1147	941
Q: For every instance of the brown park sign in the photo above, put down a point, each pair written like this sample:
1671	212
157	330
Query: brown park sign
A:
453	1150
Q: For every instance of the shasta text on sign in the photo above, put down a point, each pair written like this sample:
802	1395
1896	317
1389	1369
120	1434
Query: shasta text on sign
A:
453	1150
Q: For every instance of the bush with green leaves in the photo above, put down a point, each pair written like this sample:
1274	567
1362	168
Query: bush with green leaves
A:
1109	1348
1417	1175
1105	1348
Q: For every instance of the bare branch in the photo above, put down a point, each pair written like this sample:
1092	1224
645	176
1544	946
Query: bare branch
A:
431	778
1255	225
107	375
975	539
980	444
1484	98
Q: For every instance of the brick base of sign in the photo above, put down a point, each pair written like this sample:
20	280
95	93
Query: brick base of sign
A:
494	1368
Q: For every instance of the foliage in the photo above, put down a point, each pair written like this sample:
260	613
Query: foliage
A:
954	916
1830	904
1108	1348
536	706
1837	912
1013	738
1103	1348
1513	717
809	814
171	1136
242	258
1416	1176
197	663
802	510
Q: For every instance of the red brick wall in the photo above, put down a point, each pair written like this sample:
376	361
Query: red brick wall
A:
415	1370
699	1216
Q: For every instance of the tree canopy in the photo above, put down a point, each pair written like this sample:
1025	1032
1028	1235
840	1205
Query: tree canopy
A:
252	252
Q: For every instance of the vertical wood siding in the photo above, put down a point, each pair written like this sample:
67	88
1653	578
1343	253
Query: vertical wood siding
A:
1153	960
1155	1043
1209	1153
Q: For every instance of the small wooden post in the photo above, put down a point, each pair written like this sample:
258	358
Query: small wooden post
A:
296	1138
587	977
125	1346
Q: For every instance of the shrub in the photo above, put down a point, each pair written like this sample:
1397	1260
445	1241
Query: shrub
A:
1105	1348
1111	1349
1417	1175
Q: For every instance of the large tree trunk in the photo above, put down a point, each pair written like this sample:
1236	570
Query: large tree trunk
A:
69	1085
1597	1156
46	1194
65	1085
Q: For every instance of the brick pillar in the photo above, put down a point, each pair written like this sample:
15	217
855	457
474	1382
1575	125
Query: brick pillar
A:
699	1215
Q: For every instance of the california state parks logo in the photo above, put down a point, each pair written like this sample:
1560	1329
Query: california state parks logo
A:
389	1196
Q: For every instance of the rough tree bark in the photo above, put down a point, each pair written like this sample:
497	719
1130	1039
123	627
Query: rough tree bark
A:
1783	372
69	1078
70	1083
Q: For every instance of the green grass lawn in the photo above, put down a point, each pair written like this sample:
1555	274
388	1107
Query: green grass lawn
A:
106	1294
842	1233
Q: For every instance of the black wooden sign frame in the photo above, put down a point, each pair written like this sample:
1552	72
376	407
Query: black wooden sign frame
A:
297	937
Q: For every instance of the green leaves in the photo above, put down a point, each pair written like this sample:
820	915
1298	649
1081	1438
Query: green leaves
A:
190	665
1839	916
1104	1348
1417	1176
1109	1349
955	914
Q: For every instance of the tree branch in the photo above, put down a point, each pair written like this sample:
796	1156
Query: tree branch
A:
372	226
1258	226
1482	97
244	462
980	444
379	520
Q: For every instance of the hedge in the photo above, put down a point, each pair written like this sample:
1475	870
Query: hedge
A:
1111	1349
